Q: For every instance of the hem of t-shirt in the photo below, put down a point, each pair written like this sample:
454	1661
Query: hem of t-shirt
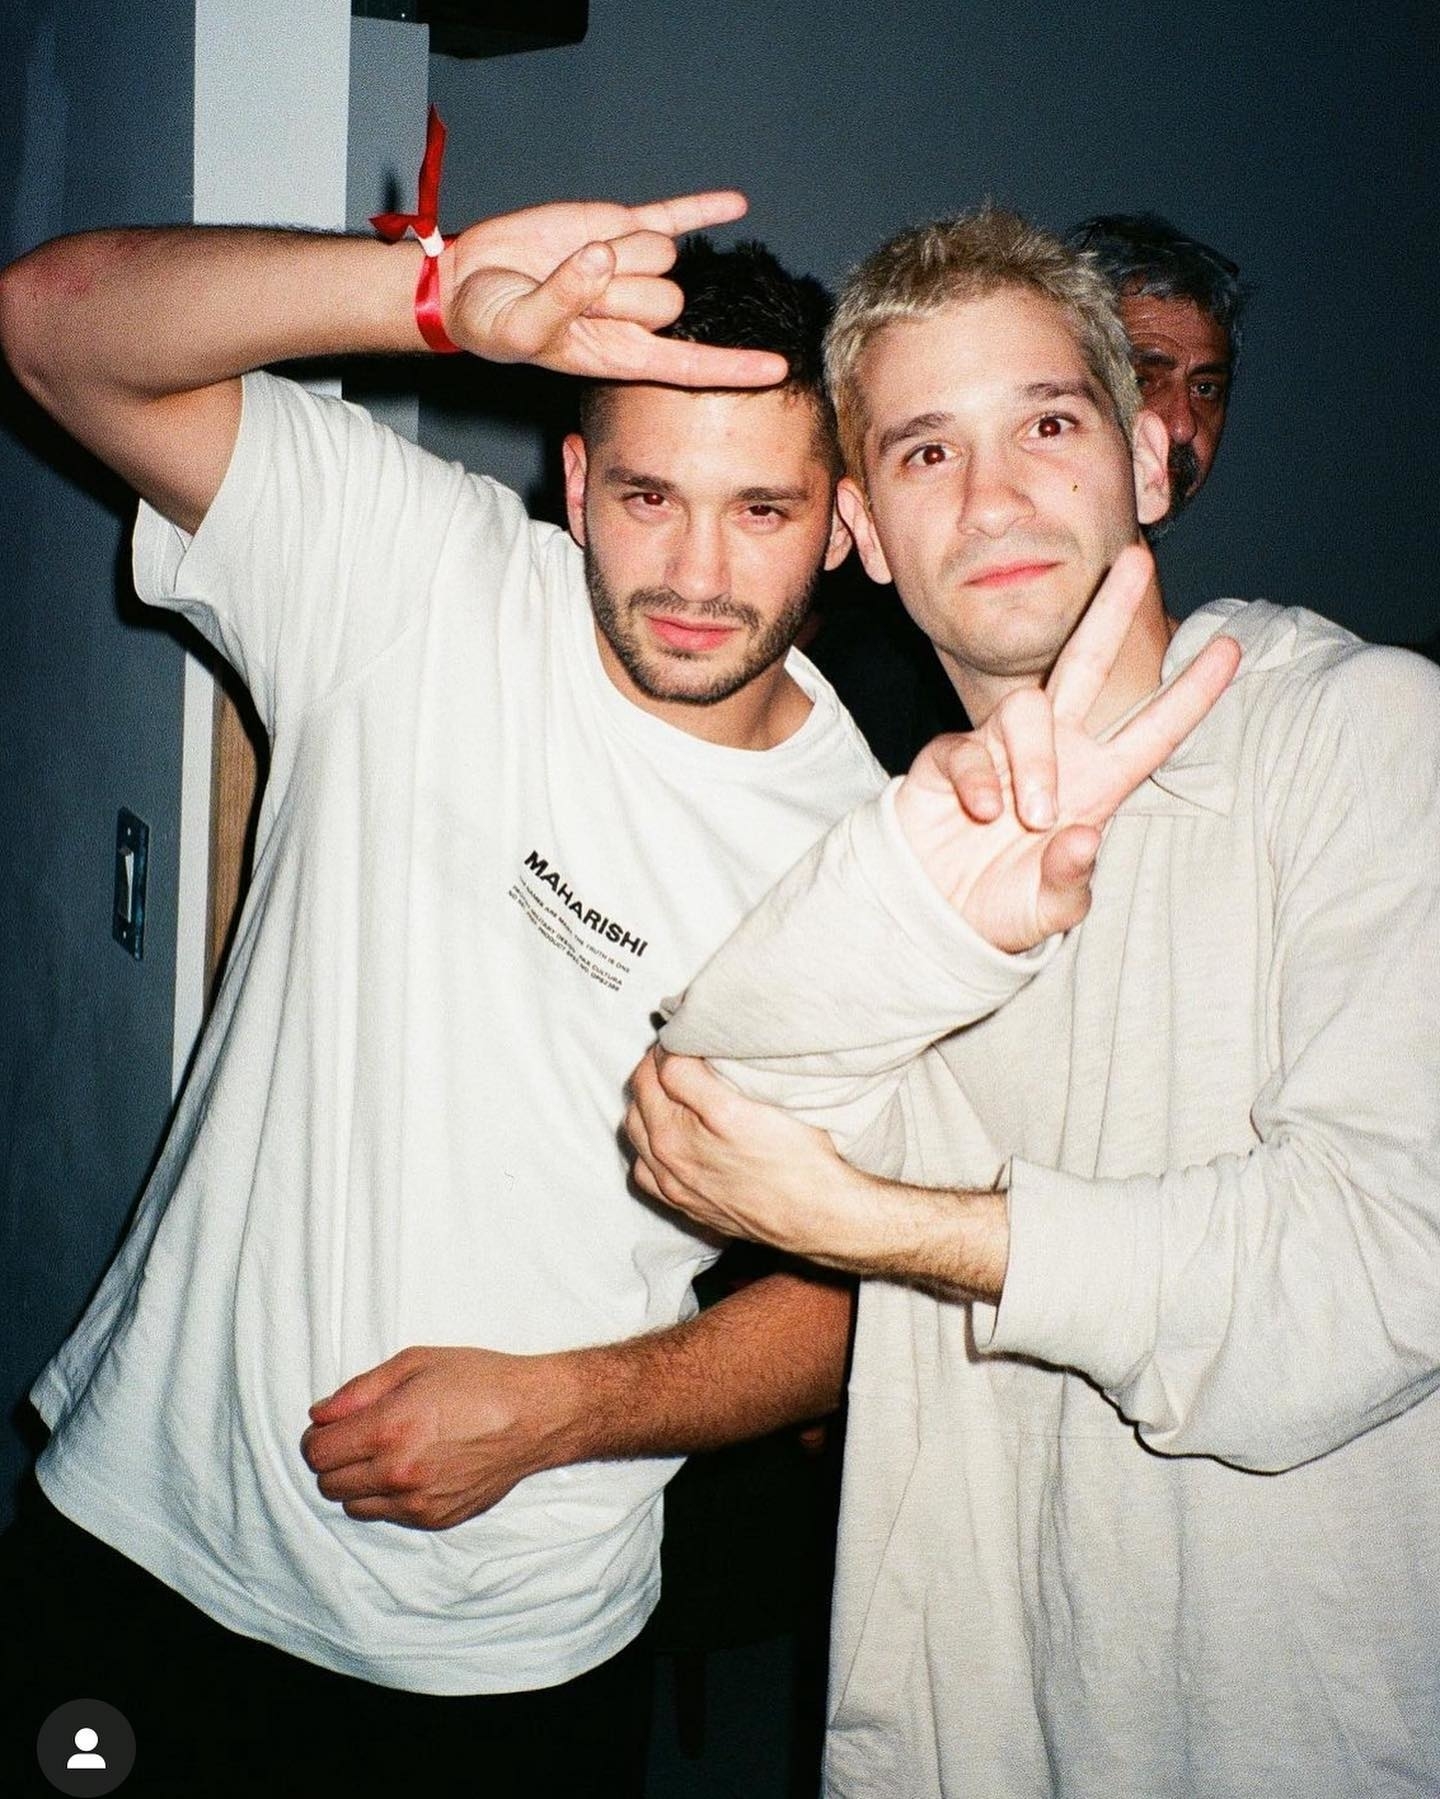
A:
467	1671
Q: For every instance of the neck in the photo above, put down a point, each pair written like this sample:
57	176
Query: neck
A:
1134	677
763	713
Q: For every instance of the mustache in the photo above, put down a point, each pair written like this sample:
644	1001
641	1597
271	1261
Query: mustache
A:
722	608
1184	467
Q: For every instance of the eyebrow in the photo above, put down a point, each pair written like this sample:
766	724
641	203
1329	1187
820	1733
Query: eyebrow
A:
1154	358
616	476
1064	390
921	425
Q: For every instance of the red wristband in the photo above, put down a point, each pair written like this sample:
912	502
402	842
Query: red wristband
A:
424	223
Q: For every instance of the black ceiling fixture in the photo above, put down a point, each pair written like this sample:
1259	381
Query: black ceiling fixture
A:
486	27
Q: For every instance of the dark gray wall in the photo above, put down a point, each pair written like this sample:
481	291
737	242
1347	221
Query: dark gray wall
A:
1297	137
96	109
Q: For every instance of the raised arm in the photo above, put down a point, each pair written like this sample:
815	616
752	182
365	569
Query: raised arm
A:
936	896
134	339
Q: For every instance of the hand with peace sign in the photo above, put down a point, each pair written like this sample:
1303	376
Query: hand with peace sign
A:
580	287
1007	820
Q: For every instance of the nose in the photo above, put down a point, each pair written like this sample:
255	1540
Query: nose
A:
1179	416
994	501
697	568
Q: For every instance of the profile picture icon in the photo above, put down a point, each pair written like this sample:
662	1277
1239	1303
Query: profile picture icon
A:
86	1746
85	1756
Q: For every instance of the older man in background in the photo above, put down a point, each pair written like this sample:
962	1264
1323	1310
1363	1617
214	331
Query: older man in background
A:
1181	303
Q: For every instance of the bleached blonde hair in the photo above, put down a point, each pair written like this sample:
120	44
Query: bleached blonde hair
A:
950	262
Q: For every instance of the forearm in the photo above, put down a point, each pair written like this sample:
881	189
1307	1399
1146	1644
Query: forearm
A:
1262	1309
769	1355
133	339
829	1033
862	1224
435	1435
164	311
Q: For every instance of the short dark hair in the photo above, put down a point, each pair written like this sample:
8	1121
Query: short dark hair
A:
743	298
1142	253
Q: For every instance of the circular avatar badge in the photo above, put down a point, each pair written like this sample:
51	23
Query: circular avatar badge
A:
85	1746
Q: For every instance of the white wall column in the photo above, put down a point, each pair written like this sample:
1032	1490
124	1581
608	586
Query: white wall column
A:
272	106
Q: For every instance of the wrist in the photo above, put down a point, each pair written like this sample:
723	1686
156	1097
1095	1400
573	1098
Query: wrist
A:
424	223
579	1390
956	1238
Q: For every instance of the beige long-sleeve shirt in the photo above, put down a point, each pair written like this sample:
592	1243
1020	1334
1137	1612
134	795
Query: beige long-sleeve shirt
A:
1167	1520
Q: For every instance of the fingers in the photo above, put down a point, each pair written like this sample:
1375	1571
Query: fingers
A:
1067	867
676	364
690	212
328	1448
967	764
646	300
542	315
1138	750
1086	662
694	1086
358	1392
1025	724
642	252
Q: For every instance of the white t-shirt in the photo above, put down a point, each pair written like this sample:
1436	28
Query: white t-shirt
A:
478	870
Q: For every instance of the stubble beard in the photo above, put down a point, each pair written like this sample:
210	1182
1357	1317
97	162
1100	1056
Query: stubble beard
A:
658	674
1006	637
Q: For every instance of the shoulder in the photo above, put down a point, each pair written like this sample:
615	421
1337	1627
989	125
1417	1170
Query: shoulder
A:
1297	667
833	726
1339	728
325	435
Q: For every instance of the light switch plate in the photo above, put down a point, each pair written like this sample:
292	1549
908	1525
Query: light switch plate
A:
132	867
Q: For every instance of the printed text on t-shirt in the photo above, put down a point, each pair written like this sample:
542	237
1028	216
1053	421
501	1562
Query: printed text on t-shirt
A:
562	918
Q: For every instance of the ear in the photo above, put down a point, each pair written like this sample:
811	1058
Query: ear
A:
572	453
1151	454
838	546
850	504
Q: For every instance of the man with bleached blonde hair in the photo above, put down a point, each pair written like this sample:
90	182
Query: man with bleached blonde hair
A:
1142	1485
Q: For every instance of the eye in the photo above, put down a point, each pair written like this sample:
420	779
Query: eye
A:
930	455
1212	392
1053	424
641	501
763	510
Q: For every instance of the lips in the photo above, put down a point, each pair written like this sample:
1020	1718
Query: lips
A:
681	634
1008	574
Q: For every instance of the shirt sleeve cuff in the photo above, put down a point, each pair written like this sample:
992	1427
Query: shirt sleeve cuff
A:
1081	1281
930	923
187	573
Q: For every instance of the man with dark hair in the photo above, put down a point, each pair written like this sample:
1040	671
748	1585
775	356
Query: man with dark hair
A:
1181	303
516	796
1142	1478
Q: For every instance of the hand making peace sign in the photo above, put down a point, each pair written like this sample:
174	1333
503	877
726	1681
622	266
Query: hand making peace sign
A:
1007	820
